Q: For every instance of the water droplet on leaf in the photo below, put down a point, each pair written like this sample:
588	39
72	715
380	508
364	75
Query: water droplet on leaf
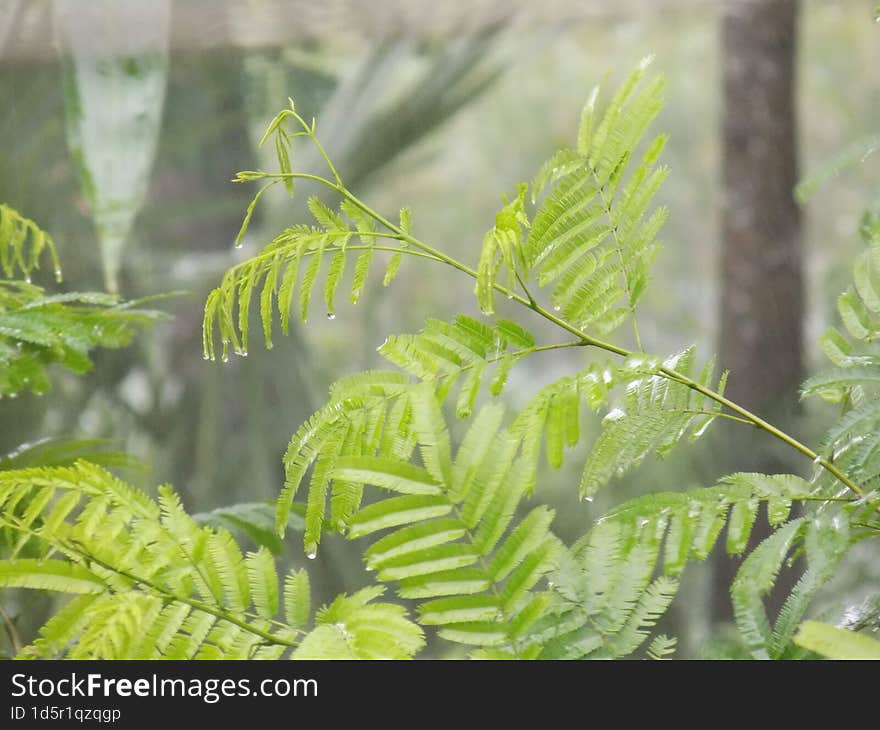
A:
331	315
557	308
311	556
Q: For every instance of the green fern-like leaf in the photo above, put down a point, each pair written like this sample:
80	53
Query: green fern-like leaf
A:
446	352
39	330
23	244
853	442
623	574
502	250
450	539
152	583
655	415
593	238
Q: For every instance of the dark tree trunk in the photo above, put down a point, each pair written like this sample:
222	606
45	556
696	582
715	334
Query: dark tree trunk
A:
761	307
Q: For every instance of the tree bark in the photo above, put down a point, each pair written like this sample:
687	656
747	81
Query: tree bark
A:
762	298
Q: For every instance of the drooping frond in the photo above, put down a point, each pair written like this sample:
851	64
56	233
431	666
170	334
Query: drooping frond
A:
656	414
23	244
151	583
502	249
464	349
593	237
450	537
369	414
607	597
623	574
553	416
39	330
295	258
853	442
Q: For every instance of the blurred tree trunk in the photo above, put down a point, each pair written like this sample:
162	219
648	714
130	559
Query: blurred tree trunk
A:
761	307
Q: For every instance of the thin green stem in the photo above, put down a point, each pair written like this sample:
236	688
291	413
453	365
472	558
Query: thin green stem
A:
728	416
519	354
768	427
329	251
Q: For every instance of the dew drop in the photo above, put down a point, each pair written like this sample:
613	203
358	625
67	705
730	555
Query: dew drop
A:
557	308
58	274
510	295
206	356
331	315
817	461
589	498
225	357
239	244
243	353
311	556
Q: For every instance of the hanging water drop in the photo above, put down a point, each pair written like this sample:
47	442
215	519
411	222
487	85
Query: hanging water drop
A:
206	356
239	244
510	295
331	315
58	275
225	357
557	308
589	498
312	555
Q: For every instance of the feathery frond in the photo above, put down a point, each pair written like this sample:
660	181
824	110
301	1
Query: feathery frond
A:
23	244
594	235
853	442
151	583
623	573
656	414
39	330
464	349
